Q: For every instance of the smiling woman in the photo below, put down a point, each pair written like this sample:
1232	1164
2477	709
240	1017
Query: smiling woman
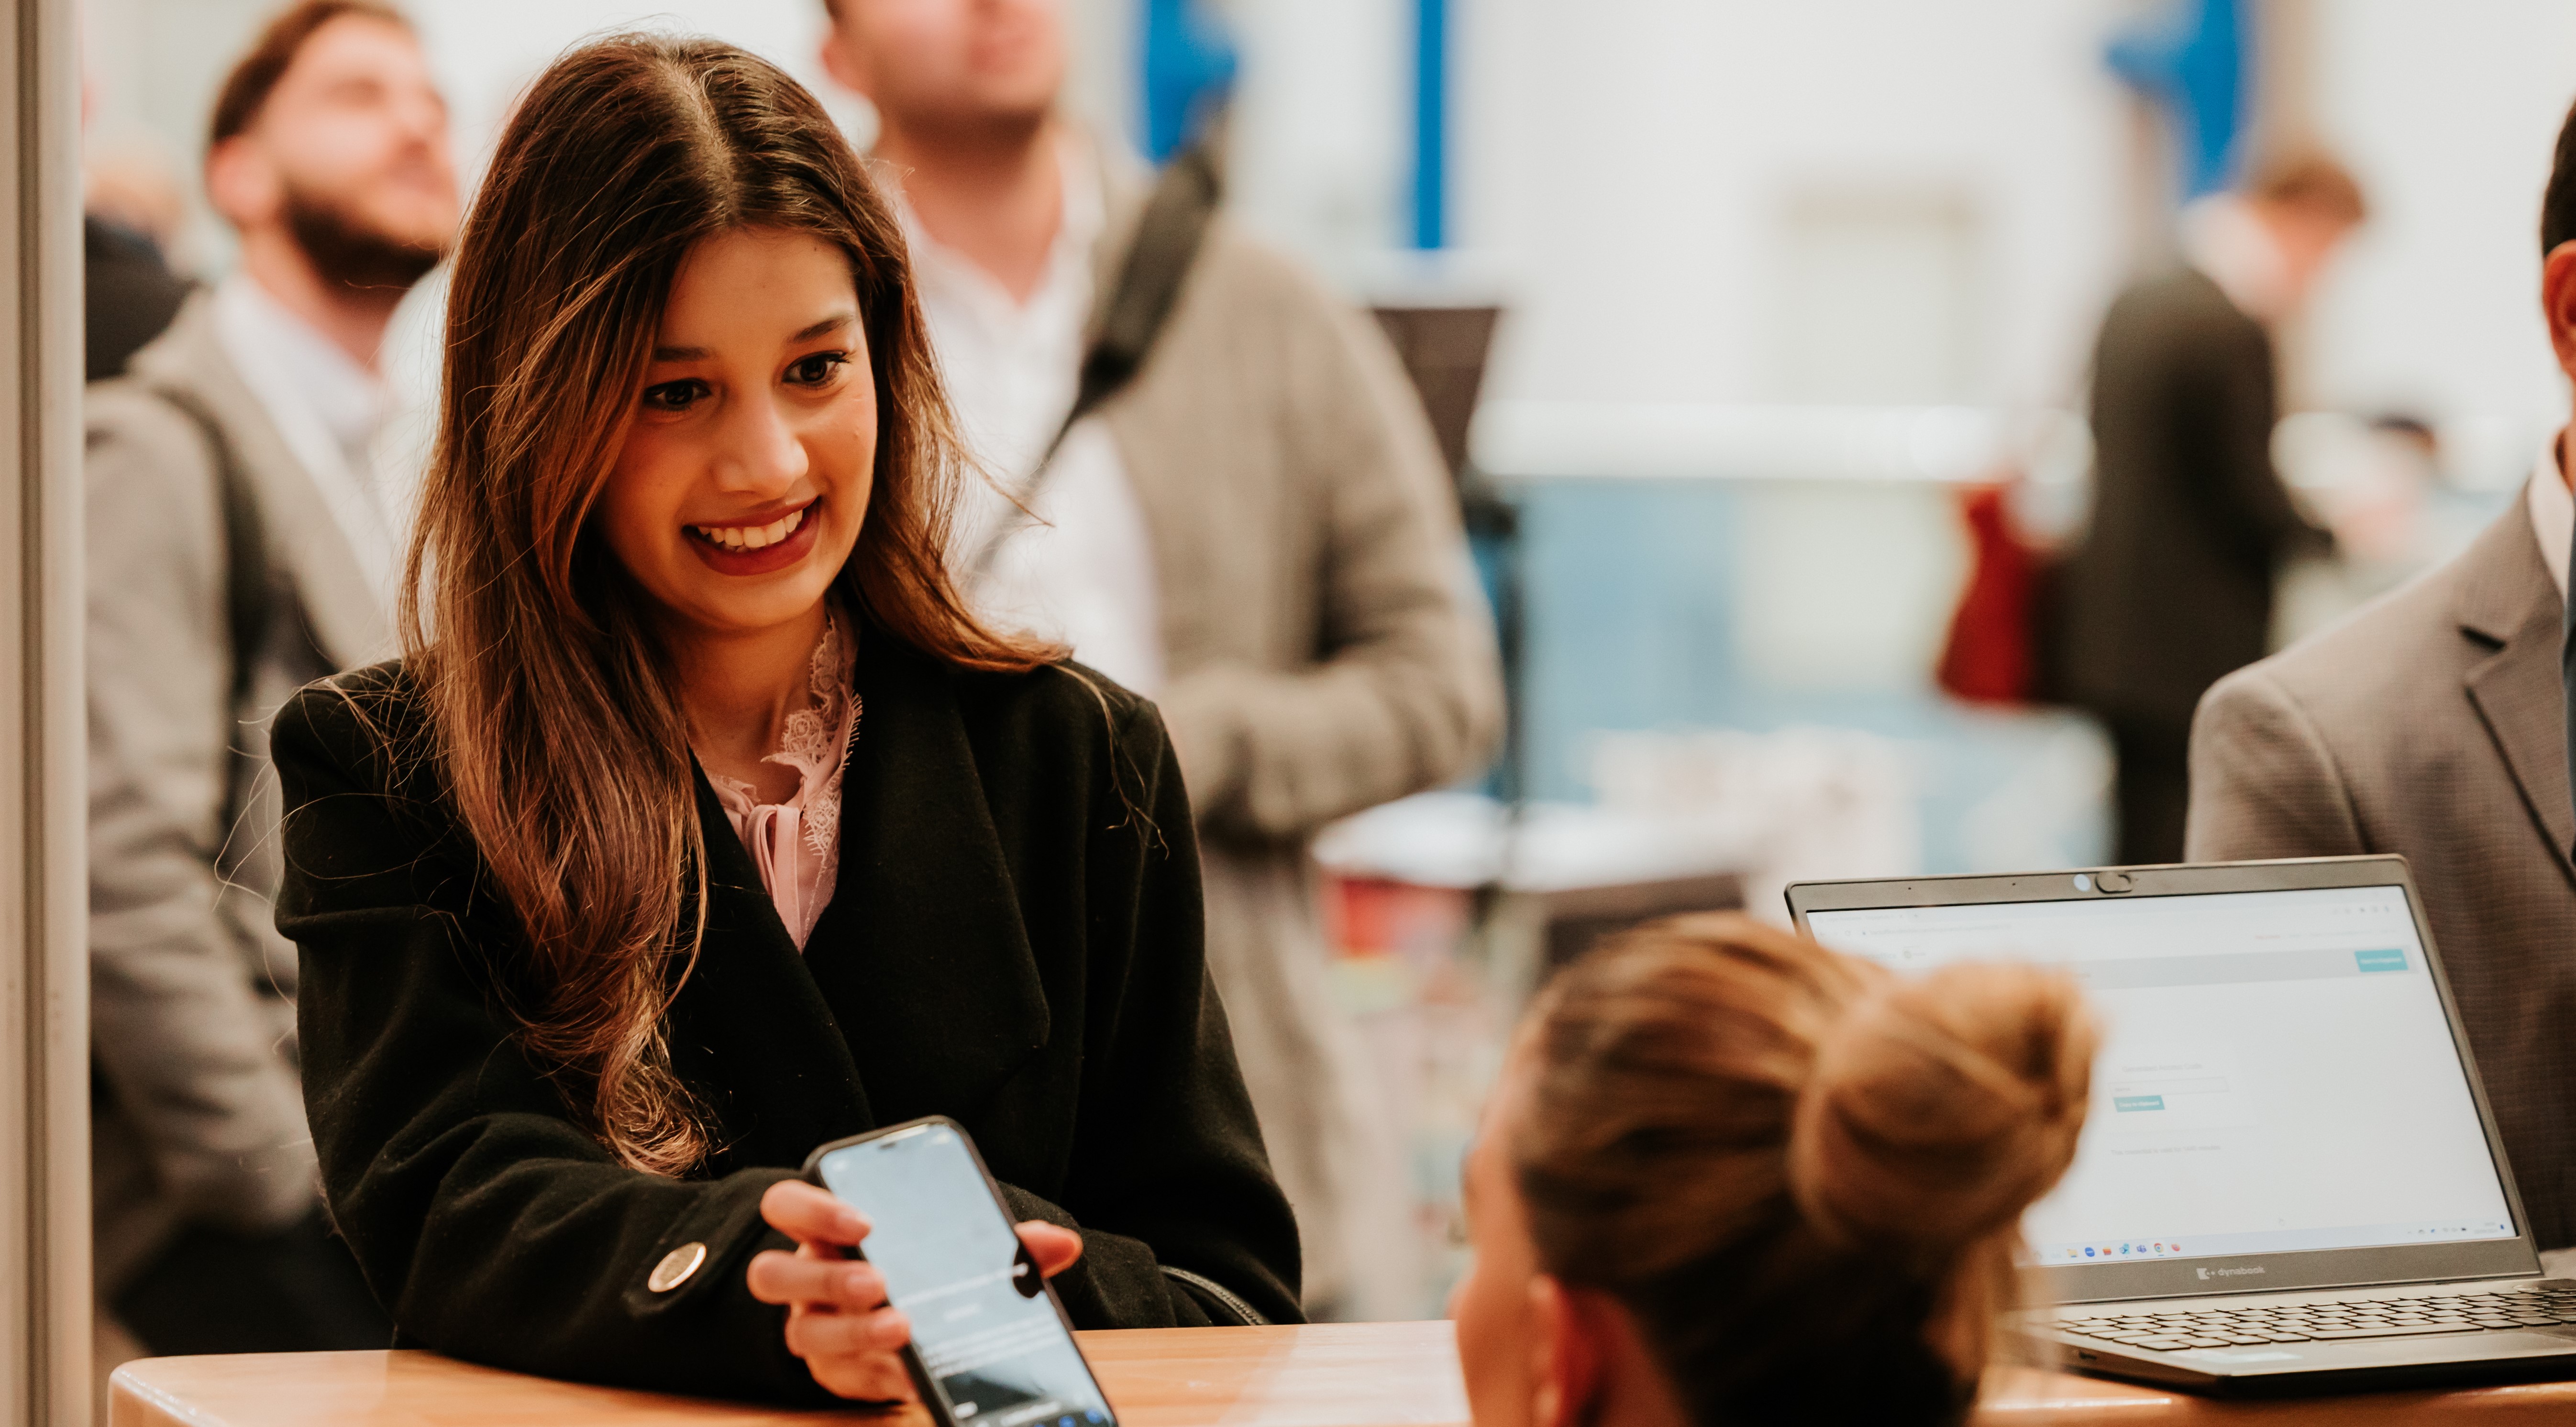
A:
611	910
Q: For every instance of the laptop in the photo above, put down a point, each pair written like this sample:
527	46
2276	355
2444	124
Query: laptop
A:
2289	1180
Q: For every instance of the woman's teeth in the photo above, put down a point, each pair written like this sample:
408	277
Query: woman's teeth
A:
750	537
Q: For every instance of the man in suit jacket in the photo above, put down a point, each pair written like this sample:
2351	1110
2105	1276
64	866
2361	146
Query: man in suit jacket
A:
241	543
2433	724
2173	586
1258	532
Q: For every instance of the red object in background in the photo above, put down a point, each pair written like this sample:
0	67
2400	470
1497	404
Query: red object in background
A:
1993	653
1372	916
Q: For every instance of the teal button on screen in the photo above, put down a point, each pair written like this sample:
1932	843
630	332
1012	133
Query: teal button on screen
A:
2381	960
2122	1104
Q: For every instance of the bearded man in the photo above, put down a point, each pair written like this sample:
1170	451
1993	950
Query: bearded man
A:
1256	531
241	542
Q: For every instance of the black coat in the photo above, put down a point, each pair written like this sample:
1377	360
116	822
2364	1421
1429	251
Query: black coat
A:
128	294
1015	942
2172	589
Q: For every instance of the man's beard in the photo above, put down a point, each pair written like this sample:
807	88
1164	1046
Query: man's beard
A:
347	252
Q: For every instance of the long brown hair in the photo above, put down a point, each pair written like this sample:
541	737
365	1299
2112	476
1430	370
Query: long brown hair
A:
1786	1162
554	714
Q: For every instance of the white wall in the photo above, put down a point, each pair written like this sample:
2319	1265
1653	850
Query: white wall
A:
2448	113
1320	149
1632	163
1629	165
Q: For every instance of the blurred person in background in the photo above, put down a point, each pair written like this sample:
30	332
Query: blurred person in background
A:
129	295
240	545
130	214
2382	498
2173	585
1729	1176
1257	531
2432	724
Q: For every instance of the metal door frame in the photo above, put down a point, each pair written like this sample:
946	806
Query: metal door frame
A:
45	1297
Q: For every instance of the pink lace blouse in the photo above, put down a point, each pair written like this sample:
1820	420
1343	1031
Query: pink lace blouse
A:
797	843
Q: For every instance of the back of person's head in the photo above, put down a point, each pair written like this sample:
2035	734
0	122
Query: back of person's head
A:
1798	1175
557	722
330	130
2305	179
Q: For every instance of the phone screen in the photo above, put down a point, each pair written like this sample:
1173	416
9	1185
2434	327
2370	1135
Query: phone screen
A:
991	1341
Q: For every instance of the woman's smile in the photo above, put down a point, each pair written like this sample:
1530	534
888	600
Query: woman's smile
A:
749	548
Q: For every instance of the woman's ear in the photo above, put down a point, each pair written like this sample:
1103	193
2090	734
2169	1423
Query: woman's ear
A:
1565	1356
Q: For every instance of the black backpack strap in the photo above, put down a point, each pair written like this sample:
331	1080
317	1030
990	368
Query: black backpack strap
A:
1166	246
246	590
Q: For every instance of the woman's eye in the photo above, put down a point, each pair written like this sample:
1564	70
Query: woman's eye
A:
817	369
675	396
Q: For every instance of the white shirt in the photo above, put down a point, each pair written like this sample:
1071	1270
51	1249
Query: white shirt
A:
328	409
2553	514
1083	571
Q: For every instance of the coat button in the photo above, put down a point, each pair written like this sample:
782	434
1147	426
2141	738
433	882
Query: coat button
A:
675	1267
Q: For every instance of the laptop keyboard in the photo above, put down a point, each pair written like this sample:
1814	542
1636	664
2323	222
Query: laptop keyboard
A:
2527	1306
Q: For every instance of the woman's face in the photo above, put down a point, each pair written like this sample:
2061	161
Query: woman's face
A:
746	470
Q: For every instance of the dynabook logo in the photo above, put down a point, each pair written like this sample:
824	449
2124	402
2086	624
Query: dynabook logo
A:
2209	1273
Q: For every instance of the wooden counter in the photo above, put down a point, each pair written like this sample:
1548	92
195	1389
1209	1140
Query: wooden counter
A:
1354	1375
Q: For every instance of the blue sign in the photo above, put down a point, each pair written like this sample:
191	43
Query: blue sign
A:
1188	68
2198	62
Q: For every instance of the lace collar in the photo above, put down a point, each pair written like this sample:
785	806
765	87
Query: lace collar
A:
816	741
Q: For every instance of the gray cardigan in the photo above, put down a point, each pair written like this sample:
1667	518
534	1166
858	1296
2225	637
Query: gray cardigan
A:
1328	651
198	1115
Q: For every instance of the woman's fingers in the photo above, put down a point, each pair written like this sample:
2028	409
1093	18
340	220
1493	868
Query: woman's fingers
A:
812	1215
814	1336
853	1354
809	1278
873	1378
1054	1248
838	1320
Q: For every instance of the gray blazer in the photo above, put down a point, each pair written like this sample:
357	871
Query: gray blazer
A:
198	1114
2431	724
1328	651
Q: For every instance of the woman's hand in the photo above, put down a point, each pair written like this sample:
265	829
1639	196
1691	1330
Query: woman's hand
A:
838	1320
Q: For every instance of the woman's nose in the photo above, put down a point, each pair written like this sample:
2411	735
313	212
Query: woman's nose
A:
762	453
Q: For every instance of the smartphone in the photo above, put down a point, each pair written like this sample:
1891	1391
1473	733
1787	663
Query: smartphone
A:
991	1346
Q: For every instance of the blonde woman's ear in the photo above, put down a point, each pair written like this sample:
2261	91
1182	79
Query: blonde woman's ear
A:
1565	1356
1591	1364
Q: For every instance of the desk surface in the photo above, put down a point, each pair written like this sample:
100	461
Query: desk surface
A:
1353	1375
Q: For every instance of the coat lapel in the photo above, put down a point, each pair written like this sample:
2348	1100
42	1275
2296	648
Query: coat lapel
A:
2509	604
921	953
342	606
751	1032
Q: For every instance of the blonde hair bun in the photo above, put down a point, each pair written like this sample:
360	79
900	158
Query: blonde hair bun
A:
1942	1106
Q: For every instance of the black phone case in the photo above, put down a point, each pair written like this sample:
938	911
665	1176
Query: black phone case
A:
931	1400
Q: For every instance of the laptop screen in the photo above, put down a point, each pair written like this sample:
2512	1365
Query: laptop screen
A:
2277	1073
